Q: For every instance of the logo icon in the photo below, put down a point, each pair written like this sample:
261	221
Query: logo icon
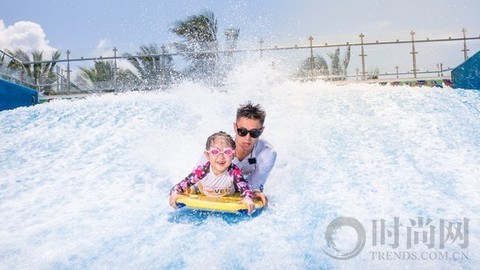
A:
339	229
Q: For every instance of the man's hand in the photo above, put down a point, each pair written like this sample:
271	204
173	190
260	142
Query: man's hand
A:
250	205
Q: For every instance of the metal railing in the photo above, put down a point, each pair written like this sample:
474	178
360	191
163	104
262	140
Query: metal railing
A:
64	85
18	76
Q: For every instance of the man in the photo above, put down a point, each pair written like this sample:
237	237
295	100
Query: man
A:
253	155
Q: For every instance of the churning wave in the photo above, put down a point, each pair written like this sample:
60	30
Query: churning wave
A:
84	183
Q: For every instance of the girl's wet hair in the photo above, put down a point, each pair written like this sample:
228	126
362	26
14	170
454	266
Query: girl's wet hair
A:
222	136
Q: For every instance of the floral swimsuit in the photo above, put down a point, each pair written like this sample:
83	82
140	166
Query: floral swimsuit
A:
215	185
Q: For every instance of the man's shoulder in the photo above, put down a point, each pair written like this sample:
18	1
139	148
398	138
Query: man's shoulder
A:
262	143
265	147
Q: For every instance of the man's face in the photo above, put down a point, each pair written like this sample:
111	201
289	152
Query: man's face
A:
248	127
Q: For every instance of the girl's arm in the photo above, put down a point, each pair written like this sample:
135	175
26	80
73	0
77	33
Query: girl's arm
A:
242	186
240	183
183	187
195	176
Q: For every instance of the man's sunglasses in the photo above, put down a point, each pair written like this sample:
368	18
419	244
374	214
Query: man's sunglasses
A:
254	133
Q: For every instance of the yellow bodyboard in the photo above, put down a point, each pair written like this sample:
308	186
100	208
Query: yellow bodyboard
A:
226	204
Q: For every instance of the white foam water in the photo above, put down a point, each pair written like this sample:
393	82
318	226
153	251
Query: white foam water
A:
85	183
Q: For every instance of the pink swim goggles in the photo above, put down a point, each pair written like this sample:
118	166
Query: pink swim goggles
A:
215	151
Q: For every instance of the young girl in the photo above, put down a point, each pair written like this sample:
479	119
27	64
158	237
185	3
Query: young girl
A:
218	176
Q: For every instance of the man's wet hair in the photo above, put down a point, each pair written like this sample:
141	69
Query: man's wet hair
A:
250	111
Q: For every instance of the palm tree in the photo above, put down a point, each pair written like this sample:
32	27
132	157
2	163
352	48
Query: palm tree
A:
154	67
199	33
313	68
102	77
40	70
2	63
339	71
335	67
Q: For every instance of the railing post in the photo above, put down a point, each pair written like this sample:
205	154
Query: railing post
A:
163	63
115	69
465	50
414	59
59	78
68	71
22	75
312	64
362	55
261	48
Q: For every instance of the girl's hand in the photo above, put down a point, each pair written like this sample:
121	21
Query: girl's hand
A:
257	194
173	199
250	205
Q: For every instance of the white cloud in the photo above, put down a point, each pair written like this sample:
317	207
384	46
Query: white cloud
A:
24	35
104	49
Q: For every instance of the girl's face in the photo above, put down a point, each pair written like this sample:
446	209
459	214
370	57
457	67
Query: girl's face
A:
220	156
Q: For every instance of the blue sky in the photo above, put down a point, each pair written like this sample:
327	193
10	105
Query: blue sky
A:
83	24
88	24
